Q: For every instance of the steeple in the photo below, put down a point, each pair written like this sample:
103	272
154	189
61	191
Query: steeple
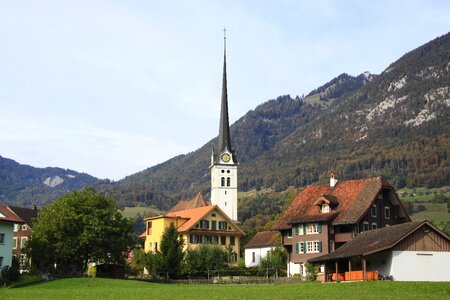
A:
224	128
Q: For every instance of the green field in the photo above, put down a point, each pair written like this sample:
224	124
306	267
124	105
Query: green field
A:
96	288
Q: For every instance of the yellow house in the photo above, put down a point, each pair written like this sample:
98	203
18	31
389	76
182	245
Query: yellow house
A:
201	225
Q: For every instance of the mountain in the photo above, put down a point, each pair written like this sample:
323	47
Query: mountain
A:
394	124
24	185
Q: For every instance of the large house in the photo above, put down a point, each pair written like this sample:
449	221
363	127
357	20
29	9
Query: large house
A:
201	225
7	221
324	217
22	233
196	220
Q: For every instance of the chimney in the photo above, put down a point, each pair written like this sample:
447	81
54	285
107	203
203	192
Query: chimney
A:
333	180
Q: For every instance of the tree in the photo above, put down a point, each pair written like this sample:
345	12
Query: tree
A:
78	228
205	257
148	260
276	260
171	252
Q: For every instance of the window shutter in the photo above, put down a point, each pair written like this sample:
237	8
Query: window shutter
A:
319	228
297	246
214	225
296	230
304	247
304	228
320	246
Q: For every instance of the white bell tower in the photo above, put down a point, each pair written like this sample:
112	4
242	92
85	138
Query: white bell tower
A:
224	162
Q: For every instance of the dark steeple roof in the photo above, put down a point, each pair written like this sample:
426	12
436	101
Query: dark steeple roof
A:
224	129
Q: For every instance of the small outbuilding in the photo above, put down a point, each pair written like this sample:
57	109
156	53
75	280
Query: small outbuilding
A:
259	246
412	251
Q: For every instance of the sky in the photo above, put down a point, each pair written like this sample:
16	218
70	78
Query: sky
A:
111	88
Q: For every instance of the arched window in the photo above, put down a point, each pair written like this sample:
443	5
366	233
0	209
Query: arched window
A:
228	181
222	181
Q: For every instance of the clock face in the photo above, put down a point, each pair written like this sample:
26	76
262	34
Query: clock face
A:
226	157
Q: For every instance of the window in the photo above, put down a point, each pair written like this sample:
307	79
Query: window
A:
253	257
232	240
213	225
156	247
228	181
1	261
223	240
24	227
16	227
366	226
222	181
222	225
313	228
332	246
373	210
2	238
149	228
289	233
374	226
300	247
204	224
193	239
356	229
14	243
387	212
213	215
325	208
311	247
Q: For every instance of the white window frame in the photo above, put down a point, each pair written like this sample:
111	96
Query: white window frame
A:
387	212
364	226
374	226
312	228
24	238
14	243
312	247
325	208
16	227
24	227
373	210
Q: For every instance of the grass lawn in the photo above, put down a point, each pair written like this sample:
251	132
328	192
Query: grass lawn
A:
97	288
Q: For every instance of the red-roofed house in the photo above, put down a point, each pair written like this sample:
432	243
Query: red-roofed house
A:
7	221
324	217
201	225
259	246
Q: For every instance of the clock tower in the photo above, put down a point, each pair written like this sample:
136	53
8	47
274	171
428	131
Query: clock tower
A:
223	159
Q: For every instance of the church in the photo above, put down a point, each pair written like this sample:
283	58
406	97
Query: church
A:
198	221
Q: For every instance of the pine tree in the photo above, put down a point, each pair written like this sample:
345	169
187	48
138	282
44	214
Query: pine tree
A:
171	252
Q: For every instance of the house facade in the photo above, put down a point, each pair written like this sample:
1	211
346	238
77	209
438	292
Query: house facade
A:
198	226
22	233
7	221
259	246
322	218
412	251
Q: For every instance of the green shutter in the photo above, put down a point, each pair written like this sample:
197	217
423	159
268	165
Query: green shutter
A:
296	230
213	224
304	247
319	228
297	247
304	228
320	246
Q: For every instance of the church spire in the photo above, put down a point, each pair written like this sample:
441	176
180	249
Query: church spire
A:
224	128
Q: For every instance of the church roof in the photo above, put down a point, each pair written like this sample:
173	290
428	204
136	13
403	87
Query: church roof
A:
352	196
195	202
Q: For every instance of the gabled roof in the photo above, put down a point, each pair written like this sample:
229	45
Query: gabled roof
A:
263	239
8	216
28	215
194	215
354	198
376	240
195	202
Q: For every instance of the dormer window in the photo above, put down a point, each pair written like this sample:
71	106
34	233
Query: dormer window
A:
325	208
